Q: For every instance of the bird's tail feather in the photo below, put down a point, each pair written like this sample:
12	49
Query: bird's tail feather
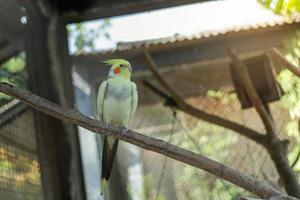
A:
110	146
103	185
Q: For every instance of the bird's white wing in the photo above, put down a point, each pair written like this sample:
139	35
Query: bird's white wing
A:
100	100
134	100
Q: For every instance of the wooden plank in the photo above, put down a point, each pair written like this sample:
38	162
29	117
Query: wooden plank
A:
264	82
104	9
50	77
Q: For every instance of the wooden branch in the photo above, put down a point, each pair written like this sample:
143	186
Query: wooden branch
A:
277	148
296	160
298	154
241	70
169	101
249	198
152	66
143	141
200	114
279	58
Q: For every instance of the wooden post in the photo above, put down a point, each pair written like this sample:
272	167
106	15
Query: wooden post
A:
49	71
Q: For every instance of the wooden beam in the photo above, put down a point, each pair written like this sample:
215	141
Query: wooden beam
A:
50	76
103	10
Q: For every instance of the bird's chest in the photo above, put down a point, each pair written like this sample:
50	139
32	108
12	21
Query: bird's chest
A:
119	92
117	103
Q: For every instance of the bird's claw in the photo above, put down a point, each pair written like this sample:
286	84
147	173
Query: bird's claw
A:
125	130
106	125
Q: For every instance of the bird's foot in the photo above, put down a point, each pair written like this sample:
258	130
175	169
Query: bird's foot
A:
106	125
125	130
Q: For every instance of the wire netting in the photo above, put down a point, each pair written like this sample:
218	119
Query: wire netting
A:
19	168
164	178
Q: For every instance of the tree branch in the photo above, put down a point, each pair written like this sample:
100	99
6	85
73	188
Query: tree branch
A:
143	141
200	114
169	101
276	148
296	160
274	198
279	57
241	70
298	154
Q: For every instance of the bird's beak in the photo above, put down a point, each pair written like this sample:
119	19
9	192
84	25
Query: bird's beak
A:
117	70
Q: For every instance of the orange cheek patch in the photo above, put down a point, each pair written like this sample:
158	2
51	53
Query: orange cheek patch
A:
117	70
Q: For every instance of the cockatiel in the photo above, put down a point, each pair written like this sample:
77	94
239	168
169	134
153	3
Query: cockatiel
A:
116	103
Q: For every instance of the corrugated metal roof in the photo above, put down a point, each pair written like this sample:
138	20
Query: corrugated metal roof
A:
122	46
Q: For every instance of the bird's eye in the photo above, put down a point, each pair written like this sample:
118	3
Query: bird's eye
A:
122	65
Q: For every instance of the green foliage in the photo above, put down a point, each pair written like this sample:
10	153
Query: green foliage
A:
292	129
20	173
292	157
148	185
149	189
82	37
214	142
6	165
225	190
290	84
288	81
224	97
291	87
195	184
13	72
284	7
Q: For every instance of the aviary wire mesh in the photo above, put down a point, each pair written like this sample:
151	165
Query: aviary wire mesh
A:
165	178
19	168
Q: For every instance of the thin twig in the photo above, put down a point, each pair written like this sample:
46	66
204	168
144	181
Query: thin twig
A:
152	66
200	114
296	160
143	141
298	154
189	136
169	101
249	198
279	57
164	165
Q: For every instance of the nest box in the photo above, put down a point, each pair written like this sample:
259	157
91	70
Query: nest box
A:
262	75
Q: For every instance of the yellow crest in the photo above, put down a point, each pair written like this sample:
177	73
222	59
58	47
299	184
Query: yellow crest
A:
117	61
